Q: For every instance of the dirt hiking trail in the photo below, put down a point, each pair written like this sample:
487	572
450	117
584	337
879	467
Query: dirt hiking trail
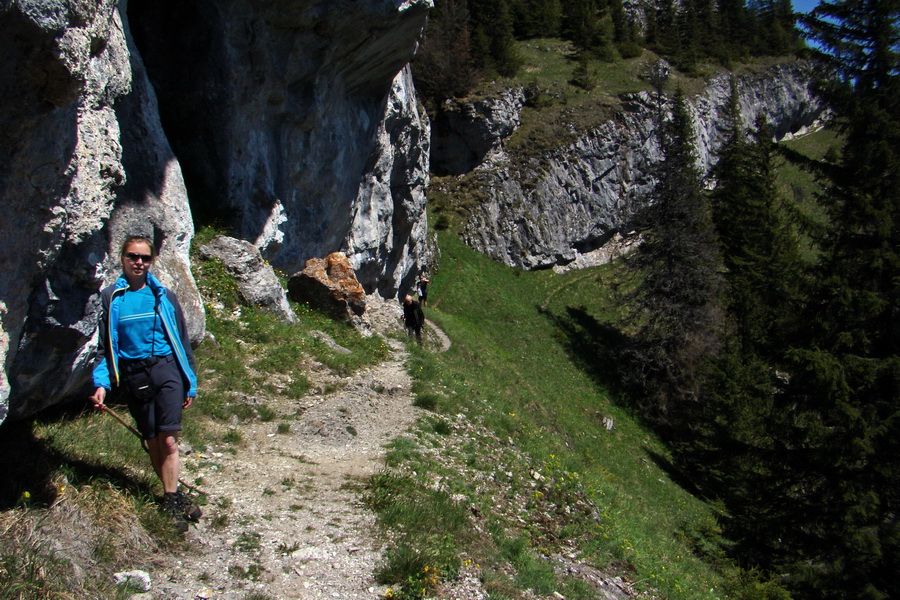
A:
284	516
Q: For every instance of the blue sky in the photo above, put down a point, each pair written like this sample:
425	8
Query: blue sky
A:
804	5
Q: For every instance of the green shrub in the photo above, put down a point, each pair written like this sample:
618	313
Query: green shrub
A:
629	50
583	77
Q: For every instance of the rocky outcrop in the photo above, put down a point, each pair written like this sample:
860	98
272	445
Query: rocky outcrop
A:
330	285
387	239
293	122
256	280
561	207
296	123
466	134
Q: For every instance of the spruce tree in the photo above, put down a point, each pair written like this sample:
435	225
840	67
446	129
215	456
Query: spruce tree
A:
760	249
494	42
537	18
742	449
677	302
738	29
846	376
581	24
444	67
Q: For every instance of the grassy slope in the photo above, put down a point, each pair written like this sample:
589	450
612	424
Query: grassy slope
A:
515	369
799	185
525	366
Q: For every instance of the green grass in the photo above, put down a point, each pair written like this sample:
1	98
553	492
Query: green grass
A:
797	184
526	373
256	359
531	455
549	64
802	188
43	547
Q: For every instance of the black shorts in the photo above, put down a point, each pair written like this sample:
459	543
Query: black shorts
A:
161	411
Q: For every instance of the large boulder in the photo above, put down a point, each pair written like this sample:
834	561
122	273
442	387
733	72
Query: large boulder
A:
257	283
330	285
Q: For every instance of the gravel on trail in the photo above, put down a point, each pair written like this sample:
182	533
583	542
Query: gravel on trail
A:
284	516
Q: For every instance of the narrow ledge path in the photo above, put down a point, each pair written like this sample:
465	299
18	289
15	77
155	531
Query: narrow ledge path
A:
284	517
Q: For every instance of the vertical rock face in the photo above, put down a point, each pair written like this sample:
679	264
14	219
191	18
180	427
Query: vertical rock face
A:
294	122
466	134
387	241
89	165
583	194
63	66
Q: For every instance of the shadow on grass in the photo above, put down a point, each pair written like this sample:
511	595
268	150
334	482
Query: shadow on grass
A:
680	476
594	346
30	464
598	348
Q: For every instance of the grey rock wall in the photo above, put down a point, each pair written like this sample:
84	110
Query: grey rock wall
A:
467	134
89	164
63	66
294	122
582	195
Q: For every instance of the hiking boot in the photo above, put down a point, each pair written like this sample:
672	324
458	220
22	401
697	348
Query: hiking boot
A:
172	508
190	510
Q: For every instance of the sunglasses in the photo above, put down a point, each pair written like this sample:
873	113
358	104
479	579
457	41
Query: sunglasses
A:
134	257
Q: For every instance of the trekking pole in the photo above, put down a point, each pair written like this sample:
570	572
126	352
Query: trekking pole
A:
144	445
127	426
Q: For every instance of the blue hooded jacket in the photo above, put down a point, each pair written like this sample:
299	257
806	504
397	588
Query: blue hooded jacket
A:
106	372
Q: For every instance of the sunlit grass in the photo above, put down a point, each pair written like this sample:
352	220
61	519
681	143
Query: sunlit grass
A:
537	411
798	184
258	355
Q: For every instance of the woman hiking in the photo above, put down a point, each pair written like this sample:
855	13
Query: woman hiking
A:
144	350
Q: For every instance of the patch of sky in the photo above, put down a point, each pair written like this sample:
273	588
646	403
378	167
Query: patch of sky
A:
804	6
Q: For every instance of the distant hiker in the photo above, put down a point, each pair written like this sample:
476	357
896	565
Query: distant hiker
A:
144	350
422	289
413	317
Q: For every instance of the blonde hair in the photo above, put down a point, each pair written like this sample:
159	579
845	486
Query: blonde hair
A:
137	239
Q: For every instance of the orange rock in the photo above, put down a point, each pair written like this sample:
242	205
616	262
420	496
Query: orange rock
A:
329	284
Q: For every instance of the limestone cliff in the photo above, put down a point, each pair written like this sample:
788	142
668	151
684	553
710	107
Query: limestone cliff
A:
561	208
294	122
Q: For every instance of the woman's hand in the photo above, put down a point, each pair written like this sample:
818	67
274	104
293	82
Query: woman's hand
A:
187	401
98	398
